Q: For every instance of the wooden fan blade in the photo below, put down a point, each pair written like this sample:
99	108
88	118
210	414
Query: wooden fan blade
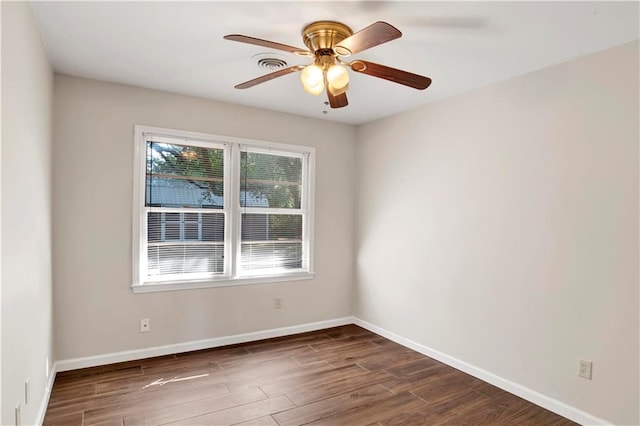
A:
337	101
392	74
374	35
268	77
267	43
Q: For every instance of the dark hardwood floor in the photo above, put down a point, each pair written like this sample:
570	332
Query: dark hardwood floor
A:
339	376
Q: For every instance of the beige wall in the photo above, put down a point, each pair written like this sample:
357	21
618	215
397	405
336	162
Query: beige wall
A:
27	86
501	228
96	312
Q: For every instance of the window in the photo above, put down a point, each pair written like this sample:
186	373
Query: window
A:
271	213
211	210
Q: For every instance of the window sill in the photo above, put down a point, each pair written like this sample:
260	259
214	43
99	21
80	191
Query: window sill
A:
152	287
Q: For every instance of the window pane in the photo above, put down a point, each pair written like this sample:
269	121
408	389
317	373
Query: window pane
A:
264	227
185	247
271	243
271	257
184	259
184	176
268	180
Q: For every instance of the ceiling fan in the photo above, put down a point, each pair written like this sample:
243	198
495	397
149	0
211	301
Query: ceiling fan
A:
328	43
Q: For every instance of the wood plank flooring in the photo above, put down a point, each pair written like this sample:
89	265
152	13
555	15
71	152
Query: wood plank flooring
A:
339	376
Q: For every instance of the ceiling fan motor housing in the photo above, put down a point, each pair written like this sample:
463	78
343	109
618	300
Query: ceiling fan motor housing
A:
320	37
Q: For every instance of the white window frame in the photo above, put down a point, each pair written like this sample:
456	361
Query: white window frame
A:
232	210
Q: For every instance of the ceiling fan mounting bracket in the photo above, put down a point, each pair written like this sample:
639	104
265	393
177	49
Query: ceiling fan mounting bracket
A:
321	36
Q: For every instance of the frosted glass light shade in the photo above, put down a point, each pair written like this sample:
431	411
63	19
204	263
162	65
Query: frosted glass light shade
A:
312	79
337	79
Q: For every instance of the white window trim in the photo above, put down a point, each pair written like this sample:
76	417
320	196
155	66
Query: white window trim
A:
231	209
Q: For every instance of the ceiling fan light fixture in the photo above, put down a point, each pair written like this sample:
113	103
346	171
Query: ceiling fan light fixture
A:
337	79
314	90
327	41
312	78
335	91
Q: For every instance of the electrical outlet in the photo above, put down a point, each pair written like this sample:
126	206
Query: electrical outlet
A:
277	303
26	392
46	368
585	369
17	413
145	325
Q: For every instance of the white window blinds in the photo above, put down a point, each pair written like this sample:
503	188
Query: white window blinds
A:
272	217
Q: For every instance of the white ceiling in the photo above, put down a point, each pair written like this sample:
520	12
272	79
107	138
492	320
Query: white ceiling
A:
178	46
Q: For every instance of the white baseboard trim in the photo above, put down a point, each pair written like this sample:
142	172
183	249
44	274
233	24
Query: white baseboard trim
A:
530	395
45	398
92	361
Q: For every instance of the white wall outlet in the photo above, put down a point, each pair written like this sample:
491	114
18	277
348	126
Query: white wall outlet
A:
585	369
46	368
277	303
26	392
145	325
17	413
